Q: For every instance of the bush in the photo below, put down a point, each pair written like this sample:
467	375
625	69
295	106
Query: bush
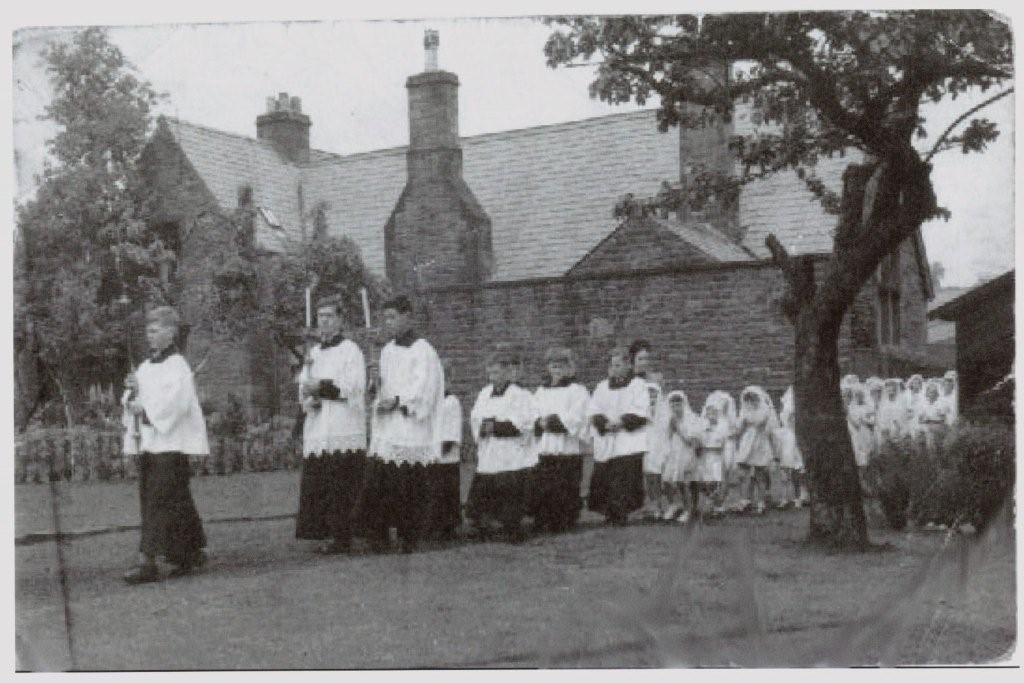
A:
965	479
983	455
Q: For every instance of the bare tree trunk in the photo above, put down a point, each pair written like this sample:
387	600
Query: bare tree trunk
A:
837	513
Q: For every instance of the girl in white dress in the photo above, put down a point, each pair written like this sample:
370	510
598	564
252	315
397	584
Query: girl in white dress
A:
862	420
892	413
755	450
718	441
915	401
933	417
949	394
683	429
657	450
790	458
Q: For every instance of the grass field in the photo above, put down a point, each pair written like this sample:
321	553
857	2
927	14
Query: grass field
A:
742	591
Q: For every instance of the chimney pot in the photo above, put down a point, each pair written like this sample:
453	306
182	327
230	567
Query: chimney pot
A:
431	43
286	127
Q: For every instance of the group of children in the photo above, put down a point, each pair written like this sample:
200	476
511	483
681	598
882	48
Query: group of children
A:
888	411
546	454
650	450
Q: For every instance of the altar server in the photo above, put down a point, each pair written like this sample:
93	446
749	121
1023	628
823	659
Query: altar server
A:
332	387
502	420
162	394
618	412
560	429
405	437
445	475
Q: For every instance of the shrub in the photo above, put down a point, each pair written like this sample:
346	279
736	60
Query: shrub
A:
964	479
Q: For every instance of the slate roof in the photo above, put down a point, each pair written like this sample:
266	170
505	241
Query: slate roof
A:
953	309
549	191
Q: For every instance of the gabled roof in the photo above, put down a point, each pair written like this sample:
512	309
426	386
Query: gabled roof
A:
227	162
952	310
650	242
549	191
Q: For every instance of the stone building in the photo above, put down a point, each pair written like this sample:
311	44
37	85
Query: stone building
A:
511	236
984	322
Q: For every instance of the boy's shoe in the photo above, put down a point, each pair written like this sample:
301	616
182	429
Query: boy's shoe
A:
184	568
683	518
670	513
143	573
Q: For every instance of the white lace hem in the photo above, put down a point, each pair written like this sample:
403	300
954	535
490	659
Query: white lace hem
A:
329	444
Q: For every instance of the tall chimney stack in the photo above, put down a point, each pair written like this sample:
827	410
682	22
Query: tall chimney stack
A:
286	127
438	234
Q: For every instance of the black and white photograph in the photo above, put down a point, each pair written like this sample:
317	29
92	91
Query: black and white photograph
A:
470	340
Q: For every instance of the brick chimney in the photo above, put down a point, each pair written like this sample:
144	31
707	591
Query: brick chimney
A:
438	234
286	127
708	147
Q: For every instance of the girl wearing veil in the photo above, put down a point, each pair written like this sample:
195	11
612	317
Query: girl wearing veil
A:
755	450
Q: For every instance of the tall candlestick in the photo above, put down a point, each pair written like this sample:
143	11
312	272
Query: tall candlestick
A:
309	307
366	306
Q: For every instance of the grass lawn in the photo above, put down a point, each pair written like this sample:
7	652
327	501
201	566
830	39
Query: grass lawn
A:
741	591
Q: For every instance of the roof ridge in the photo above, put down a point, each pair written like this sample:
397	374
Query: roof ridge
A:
511	132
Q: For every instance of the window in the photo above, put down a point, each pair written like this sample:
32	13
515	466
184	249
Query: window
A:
889	322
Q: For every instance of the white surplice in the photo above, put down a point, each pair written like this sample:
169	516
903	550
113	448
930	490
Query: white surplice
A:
414	375
167	394
569	403
613	404
505	453
336	425
451	428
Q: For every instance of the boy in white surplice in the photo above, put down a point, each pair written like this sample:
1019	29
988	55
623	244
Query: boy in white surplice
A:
406	434
502	420
331	387
162	395
560	430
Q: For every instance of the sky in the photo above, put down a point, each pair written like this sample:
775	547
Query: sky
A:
351	77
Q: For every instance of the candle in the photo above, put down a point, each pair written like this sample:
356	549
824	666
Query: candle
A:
366	306
309	307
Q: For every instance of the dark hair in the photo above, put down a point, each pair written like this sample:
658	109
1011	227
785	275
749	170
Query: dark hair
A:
330	301
399	303
638	346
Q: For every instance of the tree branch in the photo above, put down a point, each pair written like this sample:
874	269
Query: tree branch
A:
960	119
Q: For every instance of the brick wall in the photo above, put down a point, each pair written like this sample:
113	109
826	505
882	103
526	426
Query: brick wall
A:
713	327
